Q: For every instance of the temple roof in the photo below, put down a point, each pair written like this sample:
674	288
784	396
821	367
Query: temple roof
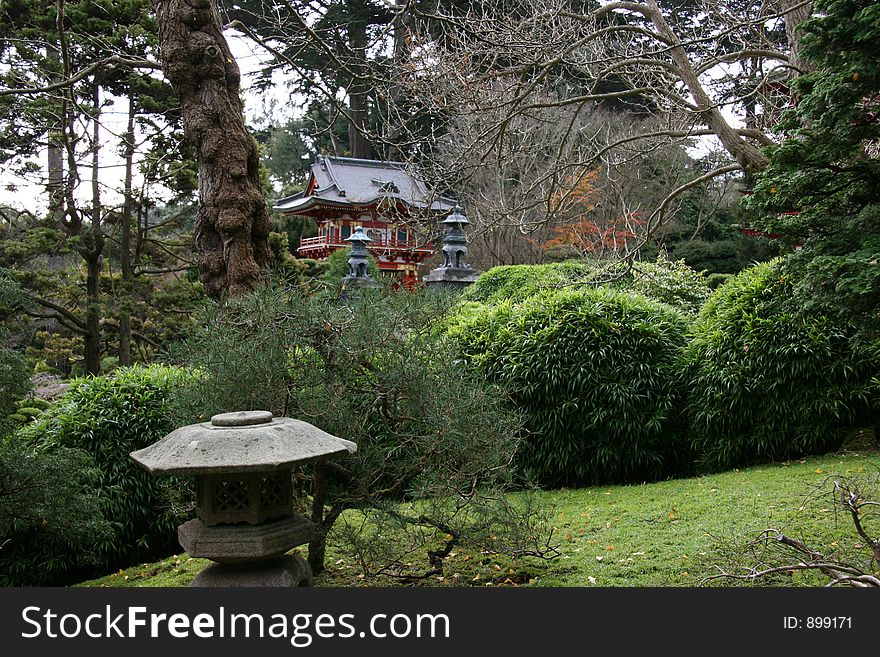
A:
345	182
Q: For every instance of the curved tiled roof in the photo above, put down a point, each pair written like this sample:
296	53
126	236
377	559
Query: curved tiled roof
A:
347	181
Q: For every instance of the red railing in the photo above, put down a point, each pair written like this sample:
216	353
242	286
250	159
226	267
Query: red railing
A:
325	240
320	240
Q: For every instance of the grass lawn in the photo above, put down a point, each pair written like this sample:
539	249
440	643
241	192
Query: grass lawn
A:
660	534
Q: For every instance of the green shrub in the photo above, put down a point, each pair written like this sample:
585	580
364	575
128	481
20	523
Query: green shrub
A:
766	384
595	372
35	402
667	281
15	383
108	417
520	281
50	517
714	281
313	268
29	412
470	324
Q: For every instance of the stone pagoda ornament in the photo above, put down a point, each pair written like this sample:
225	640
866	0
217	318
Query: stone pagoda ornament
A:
358	260
246	521
455	272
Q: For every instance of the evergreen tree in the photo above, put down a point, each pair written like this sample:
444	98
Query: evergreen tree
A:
64	64
822	187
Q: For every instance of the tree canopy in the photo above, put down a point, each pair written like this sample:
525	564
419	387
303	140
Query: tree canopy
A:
822	186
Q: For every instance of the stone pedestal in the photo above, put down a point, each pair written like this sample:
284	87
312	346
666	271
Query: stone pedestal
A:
358	282
451	277
291	570
237	544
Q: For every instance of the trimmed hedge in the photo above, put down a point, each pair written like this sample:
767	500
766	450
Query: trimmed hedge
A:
714	281
108	417
768	384
595	372
665	280
517	282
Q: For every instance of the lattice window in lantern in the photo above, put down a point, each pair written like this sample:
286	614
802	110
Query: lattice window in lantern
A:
276	495
273	490
244	498
231	496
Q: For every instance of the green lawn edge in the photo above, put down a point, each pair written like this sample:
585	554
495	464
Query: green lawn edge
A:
658	534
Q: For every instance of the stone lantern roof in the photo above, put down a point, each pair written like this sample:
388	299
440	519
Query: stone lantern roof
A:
359	239
456	218
245	441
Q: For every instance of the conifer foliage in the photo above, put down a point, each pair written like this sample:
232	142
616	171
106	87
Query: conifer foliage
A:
821	187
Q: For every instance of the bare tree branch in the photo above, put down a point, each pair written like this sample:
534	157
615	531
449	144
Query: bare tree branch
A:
108	63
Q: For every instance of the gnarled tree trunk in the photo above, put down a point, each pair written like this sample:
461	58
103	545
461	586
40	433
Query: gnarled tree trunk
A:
746	154
233	224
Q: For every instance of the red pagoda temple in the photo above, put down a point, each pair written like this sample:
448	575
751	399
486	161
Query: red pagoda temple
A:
395	208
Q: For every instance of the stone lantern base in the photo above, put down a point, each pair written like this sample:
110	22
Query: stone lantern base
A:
451	277
249	555
355	282
240	544
290	570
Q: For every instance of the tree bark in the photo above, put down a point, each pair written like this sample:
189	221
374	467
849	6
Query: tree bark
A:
55	151
358	89
795	14
92	249
318	544
232	224
125	240
746	154
402	26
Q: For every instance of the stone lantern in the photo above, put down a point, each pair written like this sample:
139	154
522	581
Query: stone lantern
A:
358	275
455	272
246	521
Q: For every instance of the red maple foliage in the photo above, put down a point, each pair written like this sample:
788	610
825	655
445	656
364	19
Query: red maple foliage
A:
574	203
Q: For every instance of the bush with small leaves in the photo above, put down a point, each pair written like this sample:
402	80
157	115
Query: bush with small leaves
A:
596	373
15	383
768	384
29	411
667	281
715	281
36	403
108	417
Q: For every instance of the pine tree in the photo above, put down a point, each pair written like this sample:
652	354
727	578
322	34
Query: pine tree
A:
62	64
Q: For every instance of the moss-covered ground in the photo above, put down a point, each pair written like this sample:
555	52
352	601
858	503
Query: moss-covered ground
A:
658	534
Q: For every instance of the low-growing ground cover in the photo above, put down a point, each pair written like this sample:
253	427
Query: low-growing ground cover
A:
659	534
